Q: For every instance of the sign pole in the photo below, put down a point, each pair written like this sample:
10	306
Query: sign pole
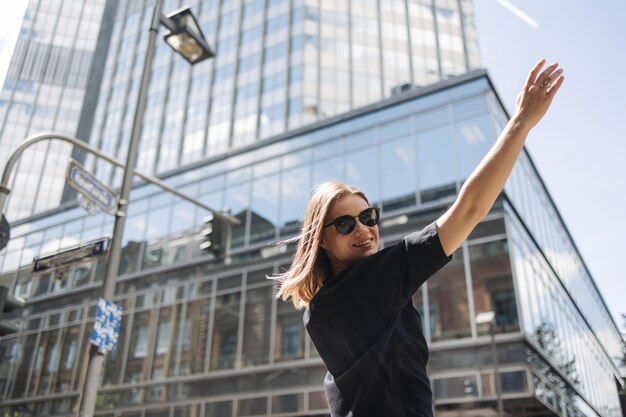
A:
96	359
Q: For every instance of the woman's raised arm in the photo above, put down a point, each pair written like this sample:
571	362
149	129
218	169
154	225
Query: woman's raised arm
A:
483	186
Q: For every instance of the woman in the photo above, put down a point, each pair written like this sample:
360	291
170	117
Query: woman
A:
358	304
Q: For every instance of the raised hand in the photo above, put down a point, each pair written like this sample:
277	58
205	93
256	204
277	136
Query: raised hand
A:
537	94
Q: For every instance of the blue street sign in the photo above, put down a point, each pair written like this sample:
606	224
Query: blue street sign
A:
91	188
106	328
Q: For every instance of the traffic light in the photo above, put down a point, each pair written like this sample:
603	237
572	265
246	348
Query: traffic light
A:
8	303
213	235
5	232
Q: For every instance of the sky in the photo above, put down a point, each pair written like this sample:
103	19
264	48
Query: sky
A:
579	147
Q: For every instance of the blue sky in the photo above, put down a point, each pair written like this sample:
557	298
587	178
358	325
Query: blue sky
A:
579	148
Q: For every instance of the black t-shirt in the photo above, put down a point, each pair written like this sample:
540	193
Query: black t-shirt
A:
369	335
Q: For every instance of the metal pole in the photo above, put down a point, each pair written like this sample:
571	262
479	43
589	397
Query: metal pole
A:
494	353
38	137
96	359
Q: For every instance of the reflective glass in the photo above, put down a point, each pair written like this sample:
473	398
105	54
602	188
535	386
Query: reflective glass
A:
113	364
492	284
287	403
164	343
455	387
397	167
256	330
448	302
252	407
436	167
264	213
224	338
237	200
295	187
138	348
23	370
328	170
194	337
45	362
219	409
362	172
395	129
474	138
289	339
183	218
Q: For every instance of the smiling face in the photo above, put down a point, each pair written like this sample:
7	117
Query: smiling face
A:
344	250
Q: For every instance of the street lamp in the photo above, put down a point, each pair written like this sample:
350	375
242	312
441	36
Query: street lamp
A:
187	39
489	317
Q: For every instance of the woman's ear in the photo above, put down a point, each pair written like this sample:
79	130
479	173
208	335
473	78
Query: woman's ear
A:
323	244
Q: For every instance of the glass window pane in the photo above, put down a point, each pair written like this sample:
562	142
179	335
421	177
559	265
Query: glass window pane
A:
23	370
437	178
328	170
195	336
221	409
287	403
252	407
398	174
264	214
456	387
238	202
492	284
113	360
256	333
69	350
296	184
448	302
138	348
289	343
362	172
224	340
183	218
474	138
46	361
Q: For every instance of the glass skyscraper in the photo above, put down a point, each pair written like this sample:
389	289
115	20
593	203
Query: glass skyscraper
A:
201	337
279	64
47	87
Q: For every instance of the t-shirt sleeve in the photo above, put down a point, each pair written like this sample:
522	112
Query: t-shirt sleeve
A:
424	257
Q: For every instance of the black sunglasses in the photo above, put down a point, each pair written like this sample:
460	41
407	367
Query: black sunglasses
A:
345	224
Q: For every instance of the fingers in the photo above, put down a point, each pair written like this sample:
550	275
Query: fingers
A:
556	85
547	75
532	76
549	80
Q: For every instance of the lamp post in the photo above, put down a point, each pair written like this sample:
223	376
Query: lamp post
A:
185	36
489	317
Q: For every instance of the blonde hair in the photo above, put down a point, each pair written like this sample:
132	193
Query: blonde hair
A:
310	265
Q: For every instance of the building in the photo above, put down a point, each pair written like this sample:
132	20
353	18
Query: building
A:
292	100
203	338
51	84
280	64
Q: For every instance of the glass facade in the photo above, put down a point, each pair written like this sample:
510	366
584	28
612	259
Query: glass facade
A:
45	89
279	65
204	338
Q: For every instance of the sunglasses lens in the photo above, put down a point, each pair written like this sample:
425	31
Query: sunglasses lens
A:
344	224
369	217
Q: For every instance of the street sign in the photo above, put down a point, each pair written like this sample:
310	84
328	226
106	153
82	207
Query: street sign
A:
5	232
90	187
66	258
106	328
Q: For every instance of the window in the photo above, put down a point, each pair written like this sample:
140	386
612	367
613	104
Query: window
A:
141	342
290	340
